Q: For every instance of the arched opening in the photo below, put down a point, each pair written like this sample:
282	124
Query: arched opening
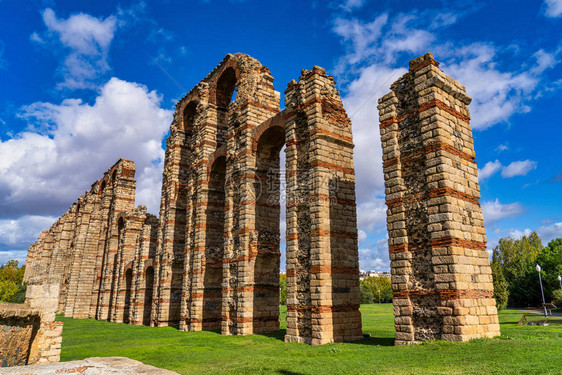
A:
189	118
102	187
268	216
114	176
148	287
212	295
226	85
128	287
120	226
224	95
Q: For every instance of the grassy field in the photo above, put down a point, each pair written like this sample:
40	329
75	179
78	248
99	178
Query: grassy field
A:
520	350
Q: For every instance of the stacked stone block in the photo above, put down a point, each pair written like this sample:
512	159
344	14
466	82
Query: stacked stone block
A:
322	259
83	252
212	259
441	275
29	333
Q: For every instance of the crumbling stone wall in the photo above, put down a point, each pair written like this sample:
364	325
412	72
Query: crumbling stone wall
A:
29	333
218	255
212	259
93	245
441	276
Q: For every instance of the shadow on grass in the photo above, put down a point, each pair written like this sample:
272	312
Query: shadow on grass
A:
373	341
289	372
278	335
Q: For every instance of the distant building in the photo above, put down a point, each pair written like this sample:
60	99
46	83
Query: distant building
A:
365	274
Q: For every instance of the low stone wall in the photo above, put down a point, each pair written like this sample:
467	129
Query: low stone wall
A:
27	336
19	325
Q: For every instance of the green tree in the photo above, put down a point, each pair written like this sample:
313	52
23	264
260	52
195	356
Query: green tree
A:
378	286
550	260
501	287
12	288
367	295
282	289
517	258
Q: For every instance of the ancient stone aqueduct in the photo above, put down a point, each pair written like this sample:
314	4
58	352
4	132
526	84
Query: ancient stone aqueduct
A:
211	260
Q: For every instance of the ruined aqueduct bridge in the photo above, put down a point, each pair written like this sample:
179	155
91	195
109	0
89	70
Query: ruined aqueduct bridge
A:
211	260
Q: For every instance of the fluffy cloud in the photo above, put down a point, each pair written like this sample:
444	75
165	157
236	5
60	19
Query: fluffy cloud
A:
494	210
491	168
518	168
20	233
497	94
553	8
70	145
550	232
361	104
349	5
86	41
371	214
375	257
18	255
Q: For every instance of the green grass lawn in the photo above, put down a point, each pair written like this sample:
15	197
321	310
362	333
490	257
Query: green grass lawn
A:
520	350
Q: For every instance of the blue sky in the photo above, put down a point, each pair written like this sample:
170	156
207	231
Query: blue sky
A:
85	83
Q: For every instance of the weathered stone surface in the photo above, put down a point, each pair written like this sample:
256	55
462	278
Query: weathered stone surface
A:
90	366
29	333
437	241
100	252
212	259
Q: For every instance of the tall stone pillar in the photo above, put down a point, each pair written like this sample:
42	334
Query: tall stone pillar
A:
441	276
170	256
255	102
322	255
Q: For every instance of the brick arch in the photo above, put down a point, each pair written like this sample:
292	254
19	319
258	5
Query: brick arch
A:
191	106
221	151
276	121
129	266
149	263
102	185
231	63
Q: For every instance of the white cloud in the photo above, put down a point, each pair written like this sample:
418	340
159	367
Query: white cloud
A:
349	5
361	105
547	233
362	236
23	231
370	214
545	60
497	93
491	168
494	210
18	255
375	257
517	234
501	148
518	168
553	8
86	40
550	232
43	171
361	35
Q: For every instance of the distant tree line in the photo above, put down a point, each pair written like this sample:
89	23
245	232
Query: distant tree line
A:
516	280
375	289
12	288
